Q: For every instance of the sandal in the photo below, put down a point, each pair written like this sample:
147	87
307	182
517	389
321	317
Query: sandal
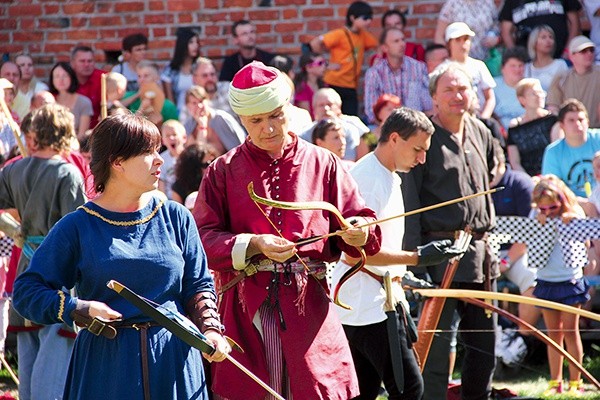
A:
554	387
576	388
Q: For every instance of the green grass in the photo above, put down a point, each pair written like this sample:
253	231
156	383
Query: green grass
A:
532	380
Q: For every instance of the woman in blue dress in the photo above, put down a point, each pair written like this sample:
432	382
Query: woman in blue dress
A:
152	246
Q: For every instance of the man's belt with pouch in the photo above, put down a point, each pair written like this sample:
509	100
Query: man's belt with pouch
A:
316	268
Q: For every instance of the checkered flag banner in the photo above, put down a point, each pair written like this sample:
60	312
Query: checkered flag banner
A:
6	245
540	239
572	236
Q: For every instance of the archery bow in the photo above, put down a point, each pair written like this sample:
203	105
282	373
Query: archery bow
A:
480	294
405	214
183	328
539	334
314	205
432	309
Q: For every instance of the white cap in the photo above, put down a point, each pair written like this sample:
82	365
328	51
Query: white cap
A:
456	30
5	84
579	43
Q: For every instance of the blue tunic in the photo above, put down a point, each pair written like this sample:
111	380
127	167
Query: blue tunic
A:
161	259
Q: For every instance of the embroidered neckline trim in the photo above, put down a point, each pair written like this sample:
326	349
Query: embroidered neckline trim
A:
124	223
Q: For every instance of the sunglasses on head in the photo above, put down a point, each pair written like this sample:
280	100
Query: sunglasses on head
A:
553	207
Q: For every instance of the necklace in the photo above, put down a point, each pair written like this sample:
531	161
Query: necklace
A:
124	223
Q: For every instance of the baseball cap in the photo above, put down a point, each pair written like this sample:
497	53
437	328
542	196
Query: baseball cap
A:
6	84
458	29
579	43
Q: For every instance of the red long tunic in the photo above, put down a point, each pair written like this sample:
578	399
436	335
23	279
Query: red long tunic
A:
318	359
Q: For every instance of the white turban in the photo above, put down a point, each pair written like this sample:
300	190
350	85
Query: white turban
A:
258	89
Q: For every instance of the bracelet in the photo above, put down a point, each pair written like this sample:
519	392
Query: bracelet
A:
505	261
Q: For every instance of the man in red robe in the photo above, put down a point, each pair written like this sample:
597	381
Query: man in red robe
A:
281	315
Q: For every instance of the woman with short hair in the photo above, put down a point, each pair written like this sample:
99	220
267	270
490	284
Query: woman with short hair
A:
131	235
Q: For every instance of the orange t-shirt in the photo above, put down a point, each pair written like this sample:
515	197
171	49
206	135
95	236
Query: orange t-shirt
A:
340	52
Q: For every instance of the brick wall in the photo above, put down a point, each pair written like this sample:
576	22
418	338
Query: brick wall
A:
48	29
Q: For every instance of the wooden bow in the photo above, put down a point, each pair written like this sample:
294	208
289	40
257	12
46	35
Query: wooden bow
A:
404	214
14	127
512	298
432	309
314	205
474	297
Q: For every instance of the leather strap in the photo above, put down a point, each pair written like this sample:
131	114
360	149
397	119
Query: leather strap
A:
143	328
236	279
94	325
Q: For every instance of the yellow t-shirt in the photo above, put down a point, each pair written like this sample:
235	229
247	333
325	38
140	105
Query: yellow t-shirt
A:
340	52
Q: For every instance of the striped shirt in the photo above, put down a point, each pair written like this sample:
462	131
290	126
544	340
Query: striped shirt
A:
410	83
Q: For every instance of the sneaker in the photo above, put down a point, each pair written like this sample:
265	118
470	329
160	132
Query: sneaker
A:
554	387
575	388
514	350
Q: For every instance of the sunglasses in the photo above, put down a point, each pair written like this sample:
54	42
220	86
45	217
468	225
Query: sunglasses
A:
553	207
317	63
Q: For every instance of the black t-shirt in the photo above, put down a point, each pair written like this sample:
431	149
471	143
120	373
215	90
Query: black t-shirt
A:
531	139
527	14
233	63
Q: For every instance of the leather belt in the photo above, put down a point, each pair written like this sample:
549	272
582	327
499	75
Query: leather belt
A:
266	265
451	235
108	329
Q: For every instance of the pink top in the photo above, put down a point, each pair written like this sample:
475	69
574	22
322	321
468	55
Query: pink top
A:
305	93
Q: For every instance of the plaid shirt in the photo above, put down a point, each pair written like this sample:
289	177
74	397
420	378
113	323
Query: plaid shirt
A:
411	84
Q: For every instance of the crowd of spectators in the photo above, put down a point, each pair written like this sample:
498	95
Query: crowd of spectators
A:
541	98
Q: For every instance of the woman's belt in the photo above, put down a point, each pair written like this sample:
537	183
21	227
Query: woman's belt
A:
108	329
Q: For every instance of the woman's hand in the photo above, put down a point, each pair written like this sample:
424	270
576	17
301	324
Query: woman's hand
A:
541	218
222	348
569	216
97	309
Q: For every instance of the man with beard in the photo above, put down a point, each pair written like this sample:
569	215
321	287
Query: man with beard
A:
244	36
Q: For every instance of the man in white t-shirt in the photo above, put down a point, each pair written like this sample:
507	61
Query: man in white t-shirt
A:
405	138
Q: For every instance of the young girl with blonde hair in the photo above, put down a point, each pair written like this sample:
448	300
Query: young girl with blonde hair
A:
561	282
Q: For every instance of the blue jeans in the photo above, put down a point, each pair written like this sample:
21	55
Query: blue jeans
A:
43	363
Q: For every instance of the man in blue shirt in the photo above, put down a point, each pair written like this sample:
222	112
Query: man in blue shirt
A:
570	158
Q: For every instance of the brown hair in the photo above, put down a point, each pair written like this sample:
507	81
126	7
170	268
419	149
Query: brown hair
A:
571	105
54	127
121	136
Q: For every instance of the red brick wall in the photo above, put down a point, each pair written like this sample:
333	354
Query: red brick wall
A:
48	29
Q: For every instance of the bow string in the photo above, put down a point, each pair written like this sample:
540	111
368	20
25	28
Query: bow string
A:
313	205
